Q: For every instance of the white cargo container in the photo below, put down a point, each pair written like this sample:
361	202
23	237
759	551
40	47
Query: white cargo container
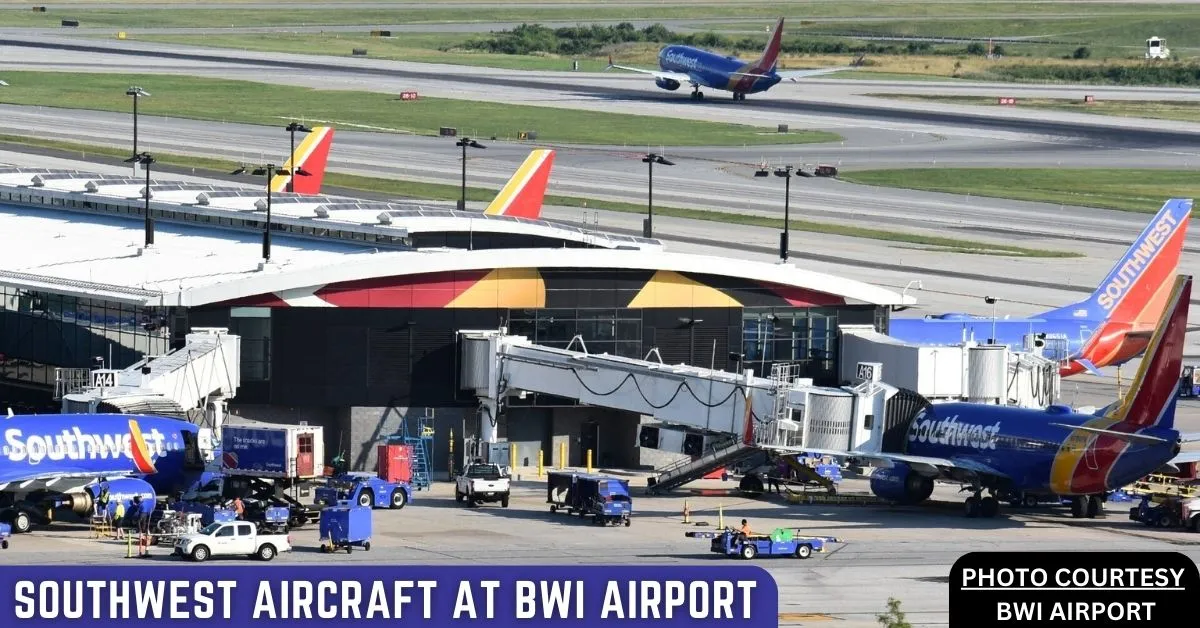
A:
267	450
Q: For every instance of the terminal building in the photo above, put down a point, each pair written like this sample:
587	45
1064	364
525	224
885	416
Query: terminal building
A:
354	321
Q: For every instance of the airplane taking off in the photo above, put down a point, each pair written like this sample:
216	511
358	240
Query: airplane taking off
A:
310	156
525	191
1020	454
1110	327
49	461
704	68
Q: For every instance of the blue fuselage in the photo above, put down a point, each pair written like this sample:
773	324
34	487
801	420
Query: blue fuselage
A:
1065	337
713	70
98	445
1038	457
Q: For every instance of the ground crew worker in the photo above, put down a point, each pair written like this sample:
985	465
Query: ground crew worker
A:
745	530
119	520
238	507
102	502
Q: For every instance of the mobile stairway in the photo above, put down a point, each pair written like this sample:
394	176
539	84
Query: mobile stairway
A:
194	382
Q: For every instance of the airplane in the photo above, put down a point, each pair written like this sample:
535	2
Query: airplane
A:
704	68
523	194
310	156
1019	454
1110	327
51	461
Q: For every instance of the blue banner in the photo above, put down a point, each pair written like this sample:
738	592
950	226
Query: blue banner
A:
351	595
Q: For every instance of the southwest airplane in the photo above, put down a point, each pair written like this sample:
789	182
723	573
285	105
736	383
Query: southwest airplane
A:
1020	454
1110	327
704	68
50	461
310	156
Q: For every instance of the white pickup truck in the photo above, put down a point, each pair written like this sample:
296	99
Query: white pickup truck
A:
231	538
482	482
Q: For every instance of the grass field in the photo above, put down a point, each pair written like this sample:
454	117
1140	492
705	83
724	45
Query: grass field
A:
1186	111
257	103
396	188
228	14
1143	190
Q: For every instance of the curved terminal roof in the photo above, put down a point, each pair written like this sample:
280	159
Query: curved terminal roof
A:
80	233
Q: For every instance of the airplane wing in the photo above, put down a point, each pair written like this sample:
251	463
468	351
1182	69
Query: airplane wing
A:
658	74
936	466
61	482
1189	437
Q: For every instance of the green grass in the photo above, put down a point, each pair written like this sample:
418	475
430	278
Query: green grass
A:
258	103
229	14
1187	111
437	191
1136	190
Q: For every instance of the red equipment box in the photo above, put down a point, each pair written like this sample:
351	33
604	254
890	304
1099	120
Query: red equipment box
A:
395	463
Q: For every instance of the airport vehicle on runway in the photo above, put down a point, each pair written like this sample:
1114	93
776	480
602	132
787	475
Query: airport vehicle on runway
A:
704	68
1110	327
48	461
1014	452
781	542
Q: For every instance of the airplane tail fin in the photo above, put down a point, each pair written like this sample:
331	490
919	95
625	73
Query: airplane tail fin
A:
770	55
310	156
1150	401
1138	286
522	196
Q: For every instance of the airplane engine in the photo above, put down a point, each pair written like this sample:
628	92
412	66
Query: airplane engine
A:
901	484
667	84
122	489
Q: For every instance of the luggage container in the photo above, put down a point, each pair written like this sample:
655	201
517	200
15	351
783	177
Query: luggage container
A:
395	463
345	526
208	514
264	450
605	499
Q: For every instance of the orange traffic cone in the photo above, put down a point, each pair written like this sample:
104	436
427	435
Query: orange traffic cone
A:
687	513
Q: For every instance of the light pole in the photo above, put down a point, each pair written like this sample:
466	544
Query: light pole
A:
786	173
268	171
650	159
292	128
992	301
464	143
145	160
135	91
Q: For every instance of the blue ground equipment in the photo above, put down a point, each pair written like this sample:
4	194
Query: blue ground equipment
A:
605	498
208	514
364	489
344	526
5	532
781	542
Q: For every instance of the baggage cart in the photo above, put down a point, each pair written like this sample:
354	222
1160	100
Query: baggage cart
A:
605	499
344	527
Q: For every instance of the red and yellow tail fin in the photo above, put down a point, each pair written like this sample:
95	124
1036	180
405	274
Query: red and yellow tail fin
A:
522	196
1151	397
310	157
138	449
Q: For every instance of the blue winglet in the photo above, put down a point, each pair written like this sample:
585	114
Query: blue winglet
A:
1091	368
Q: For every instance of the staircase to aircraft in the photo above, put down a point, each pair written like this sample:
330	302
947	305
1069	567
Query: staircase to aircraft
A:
675	475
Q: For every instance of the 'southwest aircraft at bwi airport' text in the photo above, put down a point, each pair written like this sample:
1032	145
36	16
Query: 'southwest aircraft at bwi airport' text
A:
1020	454
1110	327
703	68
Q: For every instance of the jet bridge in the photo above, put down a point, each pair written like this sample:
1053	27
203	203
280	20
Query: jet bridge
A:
194	382
733	414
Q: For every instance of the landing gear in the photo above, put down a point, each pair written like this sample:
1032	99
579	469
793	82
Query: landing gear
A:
696	93
979	506
1089	506
739	96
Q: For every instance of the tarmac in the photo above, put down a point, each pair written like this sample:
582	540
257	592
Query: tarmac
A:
903	552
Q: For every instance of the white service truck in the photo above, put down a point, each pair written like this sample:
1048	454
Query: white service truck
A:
482	482
231	538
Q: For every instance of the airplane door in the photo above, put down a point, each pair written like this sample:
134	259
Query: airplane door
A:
304	455
191	451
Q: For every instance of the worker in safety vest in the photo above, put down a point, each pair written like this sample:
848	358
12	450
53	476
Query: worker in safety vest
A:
119	519
102	502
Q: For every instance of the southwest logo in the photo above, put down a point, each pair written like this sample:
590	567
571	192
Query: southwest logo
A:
1128	272
951	432
230	458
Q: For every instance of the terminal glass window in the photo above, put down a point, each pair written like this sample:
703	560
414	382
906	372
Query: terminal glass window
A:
253	324
616	331
804	336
